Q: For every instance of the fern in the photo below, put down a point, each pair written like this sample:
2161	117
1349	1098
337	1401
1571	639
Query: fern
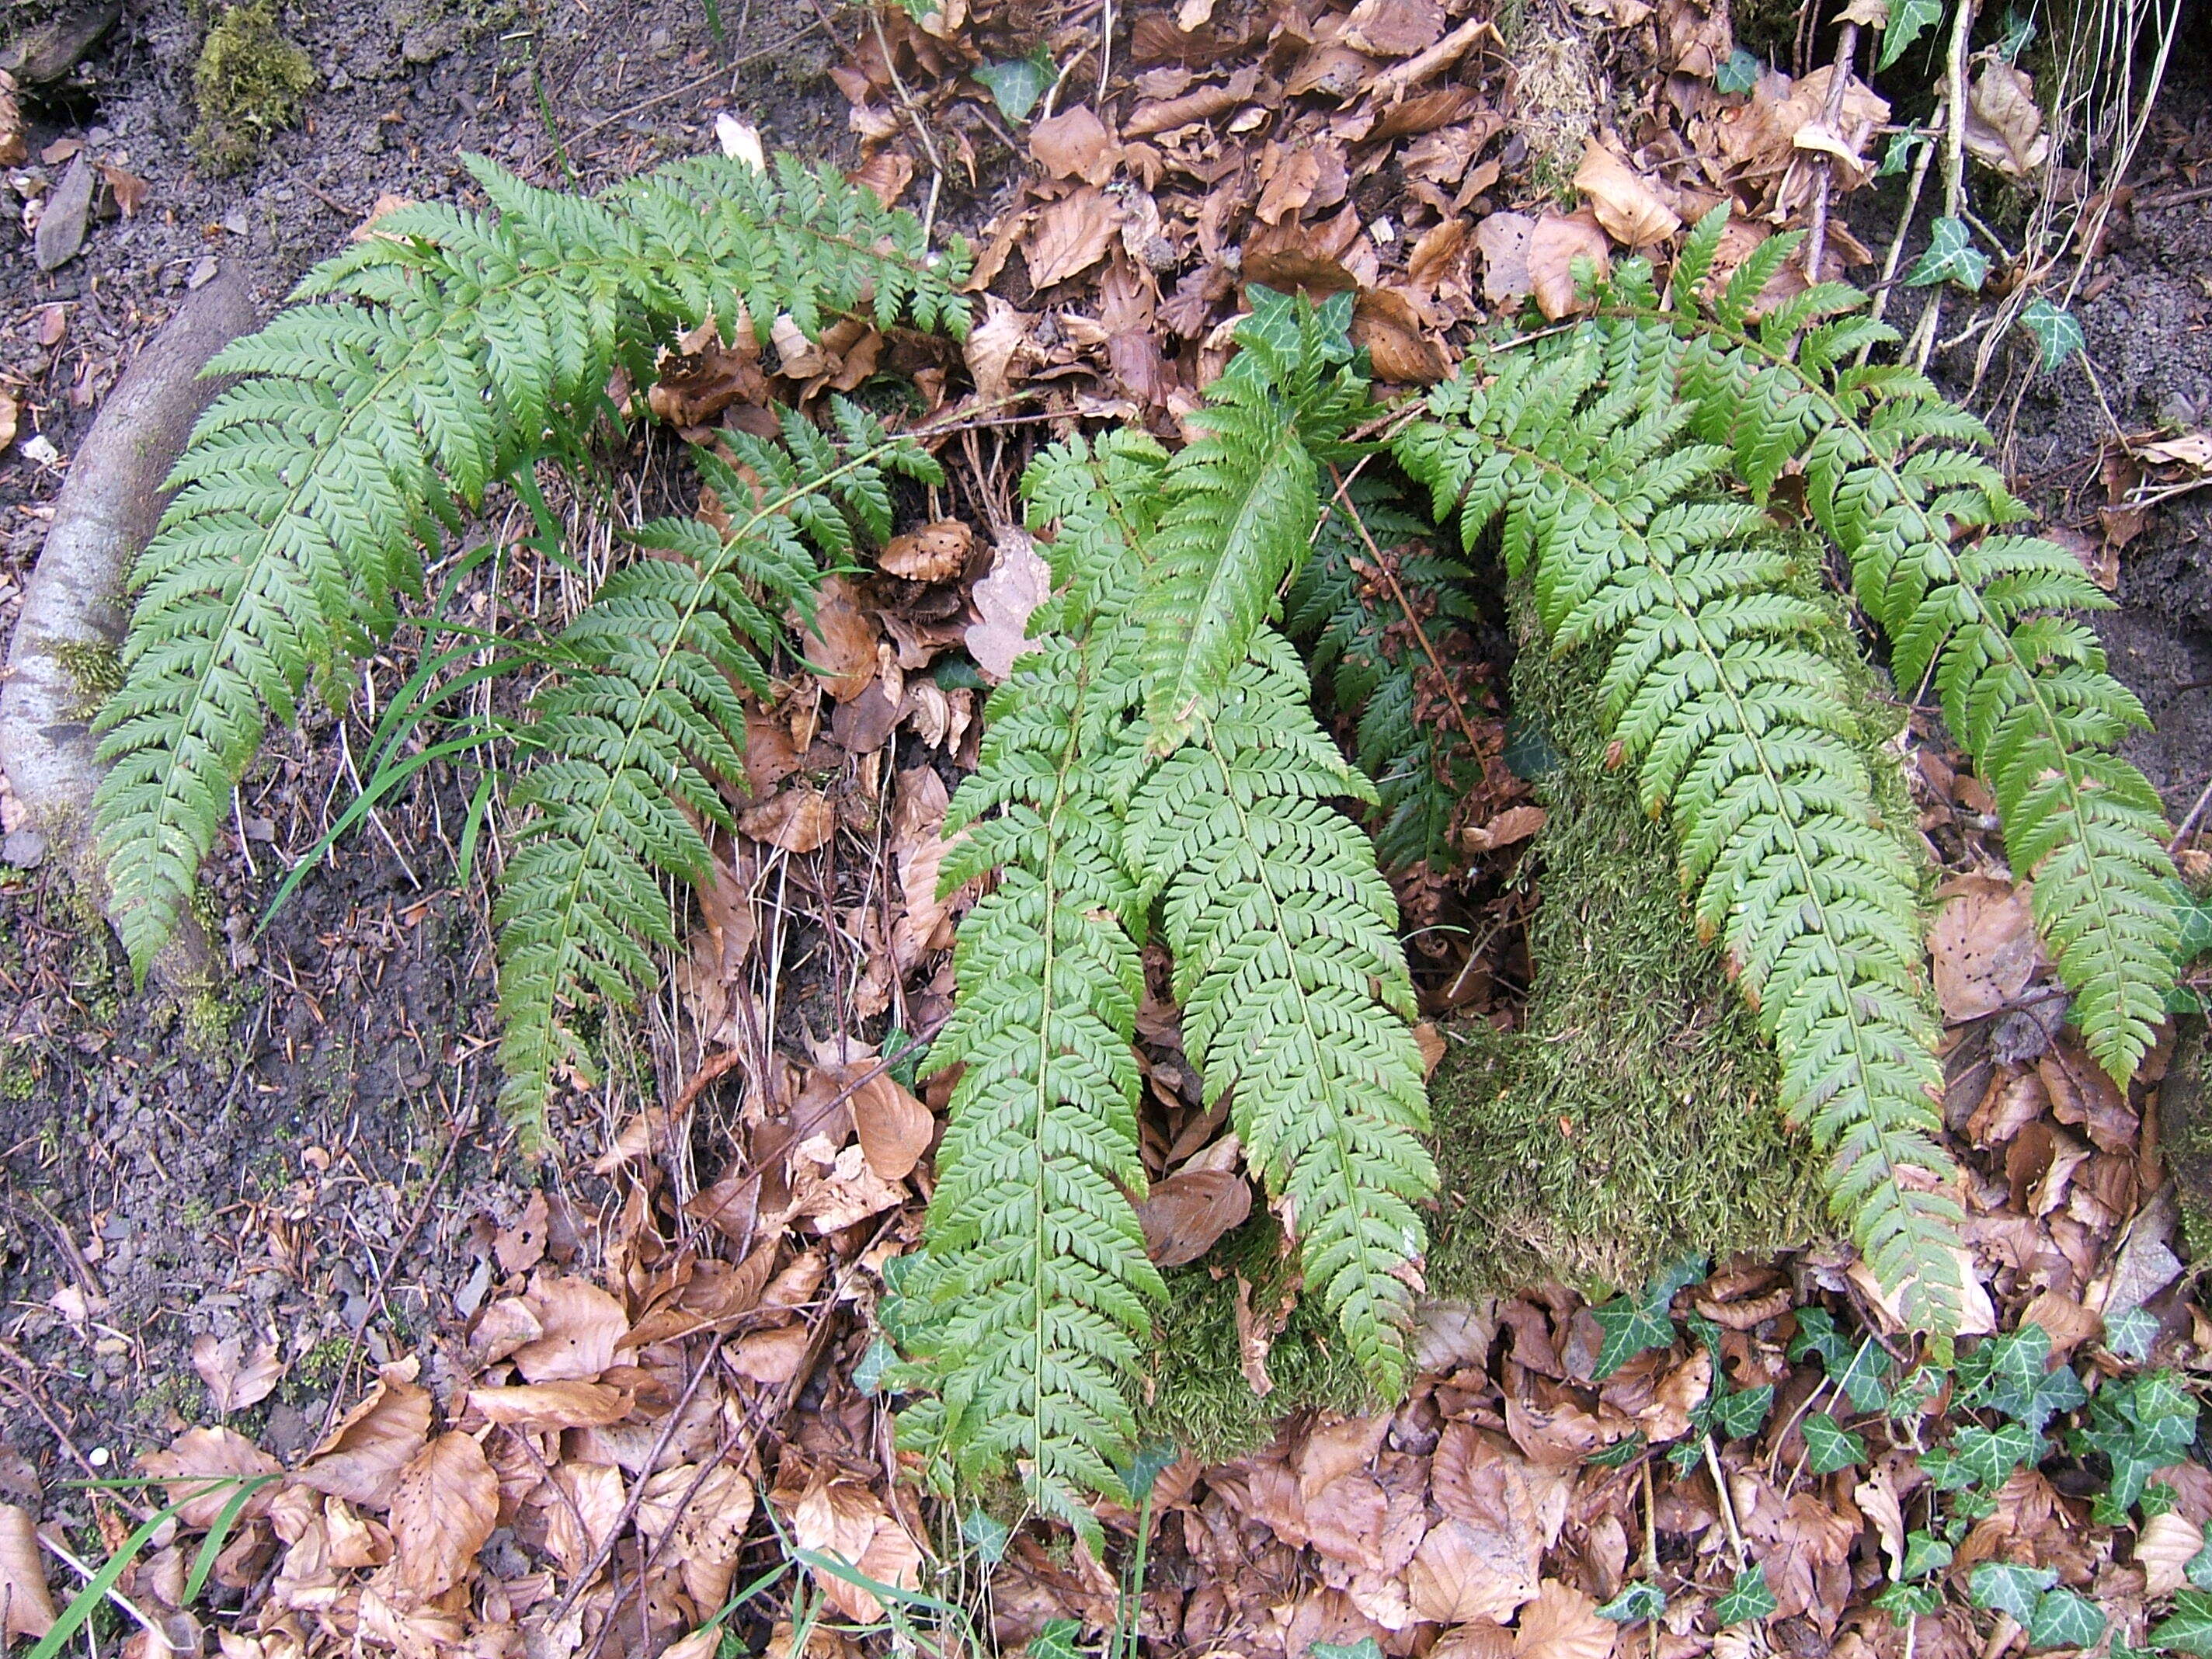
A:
1356	635
440	356
1744	738
1034	1296
1894	476
641	719
1295	995
1028	1312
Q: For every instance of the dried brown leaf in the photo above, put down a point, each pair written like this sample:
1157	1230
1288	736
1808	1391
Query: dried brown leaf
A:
1562	1623
895	1128
2166	1545
235	1380
363	1455
799	819
1624	202
2004	124
25	1609
937	552
1070	236
1502	240
1385	322
840	646
552	1406
521	1246
1481	1560
1075	145
581	1324
995	345
772	1356
1984	946
1186	1212
444	1505
1019	581
844	1519
1394	28
1556	244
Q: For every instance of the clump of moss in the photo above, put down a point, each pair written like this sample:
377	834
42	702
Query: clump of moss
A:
95	671
249	81
1196	1394
1633	1114
2184	1127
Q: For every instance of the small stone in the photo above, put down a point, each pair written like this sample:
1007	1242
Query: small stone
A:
25	848
61	226
235	220
204	270
659	40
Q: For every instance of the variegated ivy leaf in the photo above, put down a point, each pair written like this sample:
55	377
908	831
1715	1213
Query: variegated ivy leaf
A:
1829	1446
1738	74
1635	1603
2056	331
1908	21
1747	1598
2008	1588
1950	257
2065	1619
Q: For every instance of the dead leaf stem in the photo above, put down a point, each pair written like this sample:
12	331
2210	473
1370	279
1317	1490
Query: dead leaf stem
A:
1832	108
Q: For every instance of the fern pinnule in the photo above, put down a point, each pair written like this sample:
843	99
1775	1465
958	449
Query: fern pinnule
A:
1745	739
1034	1294
627	742
1896	477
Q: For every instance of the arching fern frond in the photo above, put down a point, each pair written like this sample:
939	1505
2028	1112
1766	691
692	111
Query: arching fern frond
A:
1034	1297
432	359
1746	740
641	718
1296	999
1896	477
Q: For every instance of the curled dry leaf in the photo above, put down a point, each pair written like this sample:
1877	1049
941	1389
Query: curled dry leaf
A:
25	1609
1625	205
235	1381
1186	1212
2166	1545
1484	1639
363	1455
580	1325
935	553
1385	322
521	1246
1558	241
995	347
1984	945
444	1505
10	413
1481	1560
1502	240
894	1127
918	847
841	647
2004	124
1394	28
13	149
1019	581
1075	145
1514	823
552	1406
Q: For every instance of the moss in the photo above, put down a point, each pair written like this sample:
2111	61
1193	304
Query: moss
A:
2184	1127
1633	1114
249	81
1196	1394
95	671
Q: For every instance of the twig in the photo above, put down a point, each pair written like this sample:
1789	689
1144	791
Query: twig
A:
644	103
1727	1504
1954	168
1896	254
1832	108
921	127
1406	606
2188	823
1393	84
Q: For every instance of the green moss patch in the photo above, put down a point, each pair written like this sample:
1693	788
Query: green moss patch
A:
1634	1114
250	82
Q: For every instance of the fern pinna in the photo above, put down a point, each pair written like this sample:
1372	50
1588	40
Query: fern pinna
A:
1895	477
449	350
1745	737
1027	1313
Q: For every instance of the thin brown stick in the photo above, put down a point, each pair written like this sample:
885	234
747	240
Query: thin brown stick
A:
1397	593
1831	107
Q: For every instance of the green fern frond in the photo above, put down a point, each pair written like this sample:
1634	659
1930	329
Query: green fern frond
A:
643	717
1244	505
1896	477
1358	641
1036	1292
1295	995
1746	740
425	363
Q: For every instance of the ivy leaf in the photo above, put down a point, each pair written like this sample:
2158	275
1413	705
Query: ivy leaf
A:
2141	1427
1983	1457
1924	1553
2009	1374
1016	85
1950	257
1634	1325
868	1374
2008	1588
2054	330
1897	154
1635	1603
1621	1454
2130	1334
985	1534
1746	1600
1145	1467
1737	1414
2065	1619
1908	21
1901	1602
1857	1371
1829	1446
1057	1640
2199	1569
1738	74
2190	1630
1364	1648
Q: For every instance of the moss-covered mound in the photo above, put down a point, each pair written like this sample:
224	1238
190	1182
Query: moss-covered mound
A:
1633	1114
249	82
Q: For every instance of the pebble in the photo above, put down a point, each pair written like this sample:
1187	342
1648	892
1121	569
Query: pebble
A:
25	848
61	226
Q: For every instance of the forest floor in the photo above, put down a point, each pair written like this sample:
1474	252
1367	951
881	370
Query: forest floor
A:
271	1217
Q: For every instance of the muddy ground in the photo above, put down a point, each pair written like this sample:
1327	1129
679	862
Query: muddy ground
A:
317	1167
